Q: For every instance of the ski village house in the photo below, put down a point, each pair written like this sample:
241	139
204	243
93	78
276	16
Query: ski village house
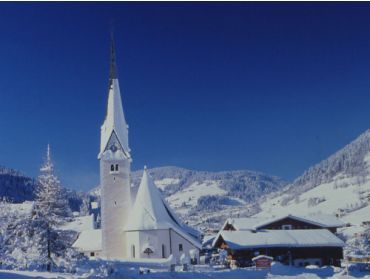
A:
291	239
132	226
138	224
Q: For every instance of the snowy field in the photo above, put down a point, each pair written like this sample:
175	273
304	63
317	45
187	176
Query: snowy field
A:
203	272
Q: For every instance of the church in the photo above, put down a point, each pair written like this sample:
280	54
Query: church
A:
135	224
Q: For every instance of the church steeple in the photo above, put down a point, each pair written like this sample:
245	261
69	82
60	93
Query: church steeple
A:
114	131
113	65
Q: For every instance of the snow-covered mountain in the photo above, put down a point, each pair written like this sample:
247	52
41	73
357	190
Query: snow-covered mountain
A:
16	187
338	185
204	198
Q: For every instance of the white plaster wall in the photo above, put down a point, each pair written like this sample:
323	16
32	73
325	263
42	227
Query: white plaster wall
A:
132	239
187	246
115	206
155	238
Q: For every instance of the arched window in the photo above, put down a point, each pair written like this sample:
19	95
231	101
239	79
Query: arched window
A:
133	251
112	167
163	251
116	167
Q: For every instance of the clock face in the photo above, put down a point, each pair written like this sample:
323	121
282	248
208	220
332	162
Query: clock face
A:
113	148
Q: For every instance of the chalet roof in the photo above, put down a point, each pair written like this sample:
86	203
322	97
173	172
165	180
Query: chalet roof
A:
151	212
279	238
321	220
89	240
253	223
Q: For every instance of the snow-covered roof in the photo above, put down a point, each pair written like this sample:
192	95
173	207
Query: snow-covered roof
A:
115	120
151	212
208	240
262	257
322	220
80	224
279	238
244	223
252	223
89	240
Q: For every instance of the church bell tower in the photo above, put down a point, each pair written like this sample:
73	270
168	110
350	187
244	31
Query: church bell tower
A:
115	161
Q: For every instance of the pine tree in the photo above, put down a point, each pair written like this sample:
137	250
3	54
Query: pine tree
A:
51	202
51	209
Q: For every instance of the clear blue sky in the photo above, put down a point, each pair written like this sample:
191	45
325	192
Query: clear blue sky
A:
272	87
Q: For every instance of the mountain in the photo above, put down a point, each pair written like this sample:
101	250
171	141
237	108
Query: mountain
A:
338	185
205	198
335	185
16	187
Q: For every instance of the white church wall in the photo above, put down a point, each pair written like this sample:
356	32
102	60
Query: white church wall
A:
133	244
176	240
115	205
155	239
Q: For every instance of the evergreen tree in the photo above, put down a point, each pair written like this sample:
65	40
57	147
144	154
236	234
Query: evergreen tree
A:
51	203
51	209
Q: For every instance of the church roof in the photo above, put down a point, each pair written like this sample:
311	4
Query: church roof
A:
115	123
150	212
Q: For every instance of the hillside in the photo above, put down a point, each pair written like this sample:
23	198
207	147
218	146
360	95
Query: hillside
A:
338	185
204	198
16	187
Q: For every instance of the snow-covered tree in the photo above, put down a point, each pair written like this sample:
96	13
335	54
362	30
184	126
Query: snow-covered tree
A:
51	209
51	203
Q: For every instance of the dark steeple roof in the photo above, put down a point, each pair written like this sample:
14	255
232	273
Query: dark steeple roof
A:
113	66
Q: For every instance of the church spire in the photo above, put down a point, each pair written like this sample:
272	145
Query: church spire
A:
114	129
113	66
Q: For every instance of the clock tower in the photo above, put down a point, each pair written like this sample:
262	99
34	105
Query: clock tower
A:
115	161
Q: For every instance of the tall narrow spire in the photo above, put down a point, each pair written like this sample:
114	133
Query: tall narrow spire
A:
115	126
113	66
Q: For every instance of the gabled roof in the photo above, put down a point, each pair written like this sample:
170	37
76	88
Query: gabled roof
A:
115	122
321	220
150	212
279	238
89	240
253	223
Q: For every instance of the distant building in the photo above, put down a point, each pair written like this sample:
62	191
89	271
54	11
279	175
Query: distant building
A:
89	243
318	221
294	240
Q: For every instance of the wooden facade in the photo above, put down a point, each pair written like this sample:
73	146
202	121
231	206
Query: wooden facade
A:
291	223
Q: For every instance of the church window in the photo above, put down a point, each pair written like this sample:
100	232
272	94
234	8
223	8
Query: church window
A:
163	251
115	203
180	248
112	167
133	251
116	167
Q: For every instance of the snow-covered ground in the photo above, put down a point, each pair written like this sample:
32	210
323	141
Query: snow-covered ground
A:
343	193
201	272
80	224
165	182
187	198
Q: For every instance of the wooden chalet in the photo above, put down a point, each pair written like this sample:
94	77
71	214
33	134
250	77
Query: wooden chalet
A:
292	240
